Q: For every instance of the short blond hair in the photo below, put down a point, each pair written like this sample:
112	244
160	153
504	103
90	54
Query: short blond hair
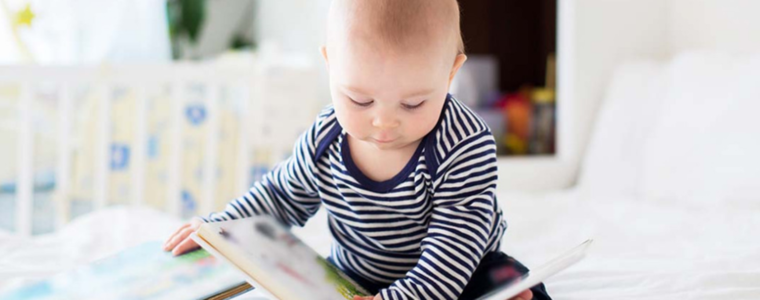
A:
400	23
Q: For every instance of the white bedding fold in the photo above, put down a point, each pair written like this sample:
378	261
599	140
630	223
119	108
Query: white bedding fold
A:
641	250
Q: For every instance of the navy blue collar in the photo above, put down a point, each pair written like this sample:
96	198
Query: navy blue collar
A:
379	186
427	144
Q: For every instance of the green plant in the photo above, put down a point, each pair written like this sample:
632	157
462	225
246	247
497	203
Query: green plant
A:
185	21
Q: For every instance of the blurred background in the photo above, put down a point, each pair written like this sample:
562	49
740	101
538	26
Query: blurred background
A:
118	102
88	103
182	104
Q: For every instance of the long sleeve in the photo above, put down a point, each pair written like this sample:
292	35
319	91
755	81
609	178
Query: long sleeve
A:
460	229
288	192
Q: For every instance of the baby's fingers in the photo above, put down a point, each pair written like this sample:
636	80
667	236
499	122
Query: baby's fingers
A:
186	245
525	295
179	237
171	237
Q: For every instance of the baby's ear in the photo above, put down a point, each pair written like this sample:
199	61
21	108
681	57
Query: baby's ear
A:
458	62
323	50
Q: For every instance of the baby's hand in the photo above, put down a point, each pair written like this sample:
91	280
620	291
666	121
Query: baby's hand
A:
525	295
376	297
180	242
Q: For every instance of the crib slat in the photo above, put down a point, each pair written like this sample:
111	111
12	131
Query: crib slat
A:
244	150
174	193
25	181
63	174
102	152
102	83
140	148
212	144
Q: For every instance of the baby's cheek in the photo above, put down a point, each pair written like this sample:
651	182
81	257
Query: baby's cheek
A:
358	130
355	124
423	124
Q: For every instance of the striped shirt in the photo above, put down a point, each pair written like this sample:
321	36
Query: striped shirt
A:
421	233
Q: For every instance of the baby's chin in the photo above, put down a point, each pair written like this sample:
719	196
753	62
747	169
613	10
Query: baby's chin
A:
385	146
397	144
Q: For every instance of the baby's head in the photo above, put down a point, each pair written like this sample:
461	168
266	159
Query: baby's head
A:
391	63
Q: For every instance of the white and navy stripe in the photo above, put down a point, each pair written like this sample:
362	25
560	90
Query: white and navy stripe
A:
422	232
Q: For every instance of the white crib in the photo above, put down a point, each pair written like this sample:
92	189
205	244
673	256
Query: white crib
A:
280	96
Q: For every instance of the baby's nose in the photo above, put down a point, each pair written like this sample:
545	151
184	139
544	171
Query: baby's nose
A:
385	121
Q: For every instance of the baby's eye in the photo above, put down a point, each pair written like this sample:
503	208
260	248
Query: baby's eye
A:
407	106
362	104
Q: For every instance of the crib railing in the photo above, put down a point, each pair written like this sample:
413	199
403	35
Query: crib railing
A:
261	89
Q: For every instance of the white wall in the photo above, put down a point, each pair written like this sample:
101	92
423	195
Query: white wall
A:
295	27
604	34
282	28
594	36
727	25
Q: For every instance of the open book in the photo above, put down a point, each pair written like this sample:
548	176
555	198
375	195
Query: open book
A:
281	266
274	261
537	275
142	272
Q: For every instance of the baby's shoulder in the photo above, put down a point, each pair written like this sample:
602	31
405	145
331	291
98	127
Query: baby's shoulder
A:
326	119
459	124
324	131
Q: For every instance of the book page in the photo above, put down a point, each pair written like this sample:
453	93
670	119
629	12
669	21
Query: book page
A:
142	272
278	260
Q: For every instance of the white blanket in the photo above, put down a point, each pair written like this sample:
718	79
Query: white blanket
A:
641	251
86	239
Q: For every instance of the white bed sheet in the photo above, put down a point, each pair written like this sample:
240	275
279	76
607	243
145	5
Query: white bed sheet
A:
641	251
86	239
89	238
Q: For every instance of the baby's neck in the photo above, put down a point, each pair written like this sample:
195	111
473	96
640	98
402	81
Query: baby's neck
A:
380	164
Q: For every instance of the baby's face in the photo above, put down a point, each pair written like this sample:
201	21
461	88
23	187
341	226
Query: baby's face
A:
389	99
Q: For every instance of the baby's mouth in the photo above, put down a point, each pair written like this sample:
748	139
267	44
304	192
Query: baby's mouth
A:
384	141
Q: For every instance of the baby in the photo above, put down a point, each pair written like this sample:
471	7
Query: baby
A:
406	172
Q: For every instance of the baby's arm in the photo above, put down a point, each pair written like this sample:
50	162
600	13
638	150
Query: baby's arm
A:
288	193
525	295
460	224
